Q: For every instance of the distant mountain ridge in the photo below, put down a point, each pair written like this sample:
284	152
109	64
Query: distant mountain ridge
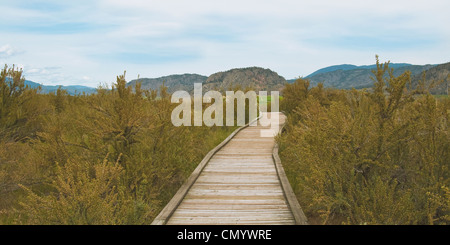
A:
71	89
346	67
344	76
351	76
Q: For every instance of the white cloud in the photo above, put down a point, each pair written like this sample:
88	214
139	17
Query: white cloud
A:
50	75
7	51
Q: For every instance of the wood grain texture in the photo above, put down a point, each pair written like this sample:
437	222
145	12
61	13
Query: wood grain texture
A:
237	183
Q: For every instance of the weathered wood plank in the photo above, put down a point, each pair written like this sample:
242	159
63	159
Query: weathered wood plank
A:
278	201
232	221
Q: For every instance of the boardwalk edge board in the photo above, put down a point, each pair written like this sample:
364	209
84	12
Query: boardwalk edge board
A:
297	212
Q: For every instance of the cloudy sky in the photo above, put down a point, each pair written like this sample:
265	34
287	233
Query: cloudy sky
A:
91	42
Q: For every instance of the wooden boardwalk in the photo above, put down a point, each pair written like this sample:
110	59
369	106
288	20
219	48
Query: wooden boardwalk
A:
240	182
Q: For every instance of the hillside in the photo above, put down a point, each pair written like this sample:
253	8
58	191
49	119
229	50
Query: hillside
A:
343	67
435	74
252	77
173	82
360	77
346	67
256	78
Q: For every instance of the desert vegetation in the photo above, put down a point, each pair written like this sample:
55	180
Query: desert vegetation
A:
112	157
368	157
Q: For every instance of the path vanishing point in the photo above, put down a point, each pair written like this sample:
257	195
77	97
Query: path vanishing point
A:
240	182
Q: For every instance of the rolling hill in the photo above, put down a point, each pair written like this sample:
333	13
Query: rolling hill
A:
173	82
347	67
439	74
255	78
349	76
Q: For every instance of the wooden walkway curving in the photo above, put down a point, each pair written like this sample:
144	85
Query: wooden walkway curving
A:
239	182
